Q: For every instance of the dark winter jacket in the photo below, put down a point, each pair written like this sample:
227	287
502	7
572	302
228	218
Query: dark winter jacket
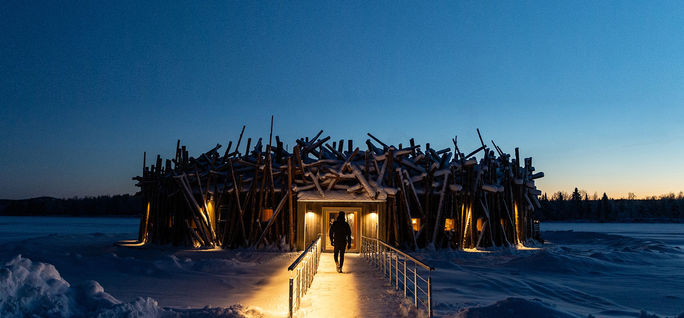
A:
340	233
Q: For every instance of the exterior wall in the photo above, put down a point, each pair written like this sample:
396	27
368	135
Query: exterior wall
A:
311	219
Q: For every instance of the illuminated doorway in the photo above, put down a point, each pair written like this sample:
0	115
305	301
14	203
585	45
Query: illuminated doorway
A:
352	217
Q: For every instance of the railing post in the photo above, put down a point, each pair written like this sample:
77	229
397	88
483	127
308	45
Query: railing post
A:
382	259
377	244
388	271
377	256
299	288
430	293
404	277
396	266
291	294
415	285
310	273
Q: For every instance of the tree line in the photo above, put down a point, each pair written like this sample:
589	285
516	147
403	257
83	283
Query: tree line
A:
103	205
578	205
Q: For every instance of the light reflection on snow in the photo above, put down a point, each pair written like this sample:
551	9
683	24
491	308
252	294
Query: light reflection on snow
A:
129	243
213	249
474	250
527	248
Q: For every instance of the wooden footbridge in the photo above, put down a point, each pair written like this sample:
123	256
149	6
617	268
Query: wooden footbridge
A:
372	285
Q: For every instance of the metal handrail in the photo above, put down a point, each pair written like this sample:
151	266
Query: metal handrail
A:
398	251
388	258
301	273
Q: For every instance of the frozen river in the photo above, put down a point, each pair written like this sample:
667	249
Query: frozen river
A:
24	227
670	233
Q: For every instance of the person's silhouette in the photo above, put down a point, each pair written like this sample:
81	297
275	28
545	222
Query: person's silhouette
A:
340	237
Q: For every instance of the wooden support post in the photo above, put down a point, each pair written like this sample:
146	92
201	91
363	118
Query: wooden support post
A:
290	203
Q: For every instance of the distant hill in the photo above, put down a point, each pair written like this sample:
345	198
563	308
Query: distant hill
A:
88	206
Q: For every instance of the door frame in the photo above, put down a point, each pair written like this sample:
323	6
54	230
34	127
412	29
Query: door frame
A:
356	229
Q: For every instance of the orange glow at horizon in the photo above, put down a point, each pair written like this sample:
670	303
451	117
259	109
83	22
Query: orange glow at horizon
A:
613	184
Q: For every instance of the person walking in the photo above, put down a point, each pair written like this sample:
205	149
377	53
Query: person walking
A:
340	237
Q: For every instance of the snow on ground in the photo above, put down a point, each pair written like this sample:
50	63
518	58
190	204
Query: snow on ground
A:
574	273
69	267
172	280
37	290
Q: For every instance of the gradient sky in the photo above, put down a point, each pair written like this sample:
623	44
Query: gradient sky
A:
592	90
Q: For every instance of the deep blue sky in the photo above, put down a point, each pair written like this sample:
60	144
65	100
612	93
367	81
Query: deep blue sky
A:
592	90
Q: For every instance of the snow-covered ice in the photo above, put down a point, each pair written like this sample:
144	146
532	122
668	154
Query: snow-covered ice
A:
70	267
576	273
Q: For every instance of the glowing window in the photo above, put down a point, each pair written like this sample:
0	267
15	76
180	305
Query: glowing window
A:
449	225
416	224
480	224
266	215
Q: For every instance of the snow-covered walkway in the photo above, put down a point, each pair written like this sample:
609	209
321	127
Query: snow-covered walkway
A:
360	291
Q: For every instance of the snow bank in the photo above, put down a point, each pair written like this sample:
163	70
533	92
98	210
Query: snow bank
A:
37	289
514	308
579	274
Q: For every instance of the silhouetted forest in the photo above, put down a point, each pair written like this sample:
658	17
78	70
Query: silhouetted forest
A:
88	206
579	206
561	206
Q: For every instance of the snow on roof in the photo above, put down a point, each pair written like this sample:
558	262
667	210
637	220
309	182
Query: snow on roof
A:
334	196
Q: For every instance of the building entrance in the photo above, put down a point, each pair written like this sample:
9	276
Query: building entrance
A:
352	217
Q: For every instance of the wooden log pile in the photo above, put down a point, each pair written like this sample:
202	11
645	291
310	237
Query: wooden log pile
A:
246	197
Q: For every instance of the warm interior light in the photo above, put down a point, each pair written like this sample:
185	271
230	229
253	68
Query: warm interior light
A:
147	220
266	215
309	214
210	213
467	230
449	224
374	216
416	224
480	224
517	223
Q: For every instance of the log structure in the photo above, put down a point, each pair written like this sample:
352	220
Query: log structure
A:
247	195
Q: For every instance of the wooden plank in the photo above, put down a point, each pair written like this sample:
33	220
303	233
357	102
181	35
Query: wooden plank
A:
314	178
237	200
439	208
363	181
408	207
290	203
378	141
270	222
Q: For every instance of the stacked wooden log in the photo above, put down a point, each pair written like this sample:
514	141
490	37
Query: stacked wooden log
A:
434	197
